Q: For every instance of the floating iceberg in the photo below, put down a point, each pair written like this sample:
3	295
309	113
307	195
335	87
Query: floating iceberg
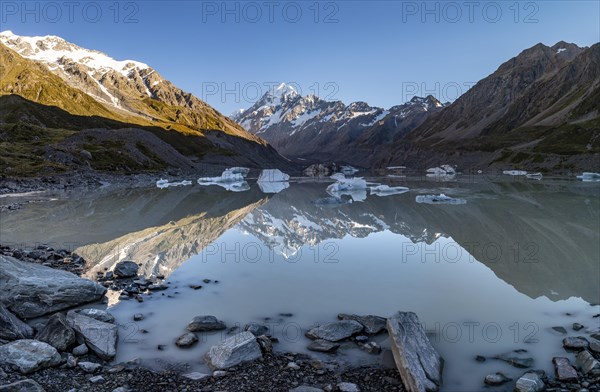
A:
515	172
236	170
385	190
273	181
349	170
439	199
162	184
273	175
441	170
355	187
232	179
534	176
589	177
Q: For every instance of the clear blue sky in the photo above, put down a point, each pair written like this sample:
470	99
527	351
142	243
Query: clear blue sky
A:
382	52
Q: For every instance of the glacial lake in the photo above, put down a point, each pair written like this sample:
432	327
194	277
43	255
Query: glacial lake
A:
486	277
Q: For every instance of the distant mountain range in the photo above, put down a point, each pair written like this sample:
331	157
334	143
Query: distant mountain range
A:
57	80
311	128
540	110
63	107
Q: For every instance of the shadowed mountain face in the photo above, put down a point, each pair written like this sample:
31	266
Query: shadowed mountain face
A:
538	110
46	100
540	238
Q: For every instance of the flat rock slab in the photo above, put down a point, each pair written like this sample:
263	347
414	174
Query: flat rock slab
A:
516	361
563	369
28	355
99	336
30	290
11	327
22	386
233	351
97	314
419	364
205	324
57	333
575	343
323	346
336	331
373	324
529	382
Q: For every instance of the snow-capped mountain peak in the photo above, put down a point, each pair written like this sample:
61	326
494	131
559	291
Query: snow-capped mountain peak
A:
54	51
279	95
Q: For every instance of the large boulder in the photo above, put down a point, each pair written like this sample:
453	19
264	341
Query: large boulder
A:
335	331
57	333
99	336
28	355
11	327
205	323
419	364
239	348
588	364
31	290
126	269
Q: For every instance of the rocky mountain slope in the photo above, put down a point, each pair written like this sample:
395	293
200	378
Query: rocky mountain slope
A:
539	110
51	89
315	129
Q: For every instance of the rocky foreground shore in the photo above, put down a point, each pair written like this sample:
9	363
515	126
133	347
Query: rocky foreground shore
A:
74	347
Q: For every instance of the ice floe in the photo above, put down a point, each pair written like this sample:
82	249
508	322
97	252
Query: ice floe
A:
534	176
439	199
589	177
355	187
162	184
273	181
515	172
386	190
232	179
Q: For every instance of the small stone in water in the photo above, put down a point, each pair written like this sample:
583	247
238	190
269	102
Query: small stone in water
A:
138	317
577	326
561	330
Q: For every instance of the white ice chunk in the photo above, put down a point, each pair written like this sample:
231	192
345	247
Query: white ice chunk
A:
439	199
386	190
589	177
515	172
273	175
534	176
232	179
236	170
162	184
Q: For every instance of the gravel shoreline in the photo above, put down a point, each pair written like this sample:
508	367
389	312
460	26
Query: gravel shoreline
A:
271	373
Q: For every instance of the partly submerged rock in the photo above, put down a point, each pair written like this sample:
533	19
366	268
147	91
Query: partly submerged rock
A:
99	336
28	355
496	379
205	323
323	346
30	290
373	324
233	351
256	329
530	382
419	364
57	333
335	331
516	361
11	327
186	340
575	343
